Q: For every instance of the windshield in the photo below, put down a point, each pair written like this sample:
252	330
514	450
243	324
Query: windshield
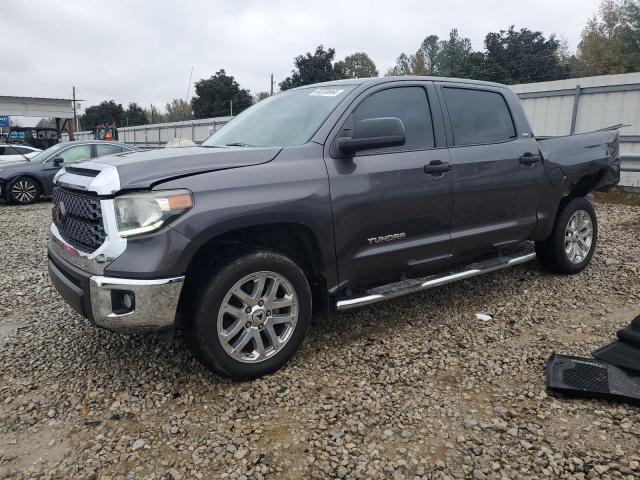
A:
42	156
284	120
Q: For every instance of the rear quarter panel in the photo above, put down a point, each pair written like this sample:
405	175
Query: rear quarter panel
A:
569	159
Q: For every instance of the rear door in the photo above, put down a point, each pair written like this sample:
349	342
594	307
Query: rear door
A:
390	215
497	169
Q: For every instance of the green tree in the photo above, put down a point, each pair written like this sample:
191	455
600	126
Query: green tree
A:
403	66
429	51
214	96
610	42
423	62
522	56
178	110
154	115
135	115
107	111
454	57
632	37
357	65
313	68
258	97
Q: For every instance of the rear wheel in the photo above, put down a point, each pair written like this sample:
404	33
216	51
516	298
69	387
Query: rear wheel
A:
569	248
24	190
251	316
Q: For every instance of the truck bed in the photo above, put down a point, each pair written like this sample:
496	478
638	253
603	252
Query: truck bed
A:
596	153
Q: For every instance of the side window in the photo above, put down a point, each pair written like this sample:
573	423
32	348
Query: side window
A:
478	116
410	105
75	154
103	149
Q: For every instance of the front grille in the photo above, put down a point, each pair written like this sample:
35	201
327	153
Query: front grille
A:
78	218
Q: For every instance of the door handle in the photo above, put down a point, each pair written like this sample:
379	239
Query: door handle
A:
529	159
437	168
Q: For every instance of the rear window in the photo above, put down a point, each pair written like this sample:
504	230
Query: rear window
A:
103	149
478	116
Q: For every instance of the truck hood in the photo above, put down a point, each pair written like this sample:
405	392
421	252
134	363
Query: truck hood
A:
146	168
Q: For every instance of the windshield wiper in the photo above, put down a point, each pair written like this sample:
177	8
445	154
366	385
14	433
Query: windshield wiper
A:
238	144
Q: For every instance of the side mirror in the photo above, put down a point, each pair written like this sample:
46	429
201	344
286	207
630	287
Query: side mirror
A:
58	161
373	133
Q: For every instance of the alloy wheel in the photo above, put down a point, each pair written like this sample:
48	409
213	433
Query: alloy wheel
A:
24	191
578	236
257	317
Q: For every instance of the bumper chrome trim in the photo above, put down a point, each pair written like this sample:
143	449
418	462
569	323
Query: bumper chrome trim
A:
156	303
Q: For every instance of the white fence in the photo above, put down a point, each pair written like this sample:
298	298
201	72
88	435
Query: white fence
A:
158	134
579	105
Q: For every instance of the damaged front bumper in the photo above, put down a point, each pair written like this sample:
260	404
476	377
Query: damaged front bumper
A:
120	302
124	305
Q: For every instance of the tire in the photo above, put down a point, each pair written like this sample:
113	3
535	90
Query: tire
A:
23	191
212	332
569	249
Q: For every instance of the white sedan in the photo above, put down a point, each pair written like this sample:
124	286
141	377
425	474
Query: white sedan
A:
15	153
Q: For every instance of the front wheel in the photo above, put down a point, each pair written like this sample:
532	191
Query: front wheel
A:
251	316
24	190
569	248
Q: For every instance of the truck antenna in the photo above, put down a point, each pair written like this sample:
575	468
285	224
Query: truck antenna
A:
184	114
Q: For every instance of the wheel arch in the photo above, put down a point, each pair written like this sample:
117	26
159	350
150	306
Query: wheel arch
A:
294	240
577	187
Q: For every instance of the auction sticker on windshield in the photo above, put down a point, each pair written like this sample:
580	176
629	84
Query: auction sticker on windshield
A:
326	92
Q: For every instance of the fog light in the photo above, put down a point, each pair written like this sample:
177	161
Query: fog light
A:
127	300
122	302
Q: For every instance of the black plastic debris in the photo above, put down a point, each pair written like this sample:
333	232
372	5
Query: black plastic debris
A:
588	377
625	352
613	373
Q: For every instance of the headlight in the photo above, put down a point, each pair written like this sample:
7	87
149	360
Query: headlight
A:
144	212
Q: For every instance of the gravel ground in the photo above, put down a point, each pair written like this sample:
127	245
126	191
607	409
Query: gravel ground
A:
417	387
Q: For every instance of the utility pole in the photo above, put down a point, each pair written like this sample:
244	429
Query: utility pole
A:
152	114
75	116
271	84
231	106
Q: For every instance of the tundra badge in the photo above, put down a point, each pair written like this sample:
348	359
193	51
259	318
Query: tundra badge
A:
387	238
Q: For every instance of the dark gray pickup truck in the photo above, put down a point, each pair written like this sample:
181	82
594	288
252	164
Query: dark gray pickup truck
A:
330	196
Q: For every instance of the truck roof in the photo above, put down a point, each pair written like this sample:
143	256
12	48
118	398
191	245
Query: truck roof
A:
377	80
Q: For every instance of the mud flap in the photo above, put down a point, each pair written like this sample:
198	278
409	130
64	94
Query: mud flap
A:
588	377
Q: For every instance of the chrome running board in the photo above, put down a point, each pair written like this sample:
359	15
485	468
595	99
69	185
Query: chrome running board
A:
405	287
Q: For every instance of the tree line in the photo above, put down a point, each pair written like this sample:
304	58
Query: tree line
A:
610	44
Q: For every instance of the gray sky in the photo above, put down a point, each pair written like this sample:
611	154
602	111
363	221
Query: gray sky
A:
143	51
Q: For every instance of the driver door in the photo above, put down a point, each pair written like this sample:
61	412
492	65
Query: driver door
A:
391	214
